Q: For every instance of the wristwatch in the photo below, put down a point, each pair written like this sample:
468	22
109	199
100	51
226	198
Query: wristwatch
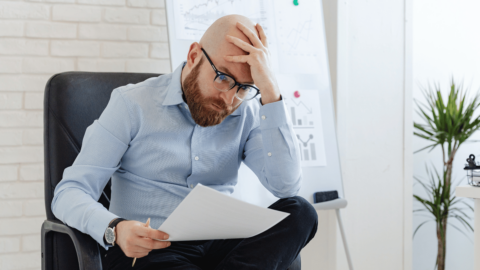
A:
109	236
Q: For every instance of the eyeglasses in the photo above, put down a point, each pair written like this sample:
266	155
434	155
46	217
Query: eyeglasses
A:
224	82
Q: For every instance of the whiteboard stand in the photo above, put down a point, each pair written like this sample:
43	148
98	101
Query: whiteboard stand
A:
337	204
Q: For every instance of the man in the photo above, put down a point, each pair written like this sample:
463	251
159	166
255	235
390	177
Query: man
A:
158	138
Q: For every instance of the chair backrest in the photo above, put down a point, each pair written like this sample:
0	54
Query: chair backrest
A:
72	101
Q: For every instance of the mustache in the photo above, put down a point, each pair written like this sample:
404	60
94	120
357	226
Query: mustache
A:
219	103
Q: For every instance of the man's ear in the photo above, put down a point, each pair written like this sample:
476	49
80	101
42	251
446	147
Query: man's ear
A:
194	54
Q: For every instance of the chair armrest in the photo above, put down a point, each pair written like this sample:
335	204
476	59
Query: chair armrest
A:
86	247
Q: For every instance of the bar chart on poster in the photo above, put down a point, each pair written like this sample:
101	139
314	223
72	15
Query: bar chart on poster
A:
304	109
296	40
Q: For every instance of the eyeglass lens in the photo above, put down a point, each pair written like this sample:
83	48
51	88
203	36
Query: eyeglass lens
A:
225	83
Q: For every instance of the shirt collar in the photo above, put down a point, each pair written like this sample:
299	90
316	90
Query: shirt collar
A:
174	90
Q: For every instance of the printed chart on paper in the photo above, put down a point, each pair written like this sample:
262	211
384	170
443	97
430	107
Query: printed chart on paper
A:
193	17
304	111
299	33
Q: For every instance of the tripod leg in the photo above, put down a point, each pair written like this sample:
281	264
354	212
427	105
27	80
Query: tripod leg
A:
344	238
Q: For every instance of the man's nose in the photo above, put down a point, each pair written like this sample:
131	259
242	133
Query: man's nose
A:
229	96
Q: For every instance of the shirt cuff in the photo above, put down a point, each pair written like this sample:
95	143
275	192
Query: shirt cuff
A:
273	115
100	221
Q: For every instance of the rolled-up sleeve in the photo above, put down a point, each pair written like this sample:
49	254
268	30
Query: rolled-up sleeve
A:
271	151
76	196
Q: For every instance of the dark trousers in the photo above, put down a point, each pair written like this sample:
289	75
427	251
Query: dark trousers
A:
276	248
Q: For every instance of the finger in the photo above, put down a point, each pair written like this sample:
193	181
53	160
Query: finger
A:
236	58
132	248
150	233
152	244
137	247
250	34
147	245
139	254
263	36
240	43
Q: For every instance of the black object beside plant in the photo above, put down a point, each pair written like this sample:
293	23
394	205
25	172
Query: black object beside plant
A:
473	171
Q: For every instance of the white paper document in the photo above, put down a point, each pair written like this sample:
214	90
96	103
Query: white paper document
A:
207	214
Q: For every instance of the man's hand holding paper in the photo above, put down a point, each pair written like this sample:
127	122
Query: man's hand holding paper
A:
136	240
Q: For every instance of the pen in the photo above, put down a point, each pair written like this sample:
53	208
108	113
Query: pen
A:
148	224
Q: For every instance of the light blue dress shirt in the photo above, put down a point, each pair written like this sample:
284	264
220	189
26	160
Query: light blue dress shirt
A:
147	141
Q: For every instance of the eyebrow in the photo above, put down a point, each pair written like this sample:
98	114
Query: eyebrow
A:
226	71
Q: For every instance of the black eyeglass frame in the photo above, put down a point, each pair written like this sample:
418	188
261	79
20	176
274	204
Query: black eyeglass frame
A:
236	83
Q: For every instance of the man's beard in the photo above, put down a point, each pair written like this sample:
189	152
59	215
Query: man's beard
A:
200	106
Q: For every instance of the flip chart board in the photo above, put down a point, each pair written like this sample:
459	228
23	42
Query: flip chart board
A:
296	34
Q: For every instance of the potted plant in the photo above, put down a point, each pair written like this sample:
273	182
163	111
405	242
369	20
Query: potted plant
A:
447	125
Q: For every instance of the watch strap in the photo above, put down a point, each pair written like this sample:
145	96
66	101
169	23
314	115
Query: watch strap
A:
115	222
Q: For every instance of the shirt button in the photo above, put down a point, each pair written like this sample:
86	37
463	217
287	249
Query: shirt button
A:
269	154
191	185
186	107
263	117
196	158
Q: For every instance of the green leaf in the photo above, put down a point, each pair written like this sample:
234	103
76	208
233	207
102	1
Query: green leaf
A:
419	226
458	229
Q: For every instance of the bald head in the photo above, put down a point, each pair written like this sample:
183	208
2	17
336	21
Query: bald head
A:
213	40
214	43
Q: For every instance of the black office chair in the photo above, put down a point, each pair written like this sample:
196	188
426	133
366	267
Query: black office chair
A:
72	101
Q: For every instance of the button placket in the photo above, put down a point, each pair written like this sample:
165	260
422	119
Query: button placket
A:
194	148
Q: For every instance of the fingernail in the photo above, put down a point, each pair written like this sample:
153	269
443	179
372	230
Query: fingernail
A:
165	237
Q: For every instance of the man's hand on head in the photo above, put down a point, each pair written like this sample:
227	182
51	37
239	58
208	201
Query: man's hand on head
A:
258	59
136	240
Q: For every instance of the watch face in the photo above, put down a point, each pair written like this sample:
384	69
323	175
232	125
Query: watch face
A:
110	235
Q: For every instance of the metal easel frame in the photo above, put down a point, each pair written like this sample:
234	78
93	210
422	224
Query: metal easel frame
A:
337	204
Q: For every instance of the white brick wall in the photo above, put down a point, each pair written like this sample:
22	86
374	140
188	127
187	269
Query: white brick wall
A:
39	38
